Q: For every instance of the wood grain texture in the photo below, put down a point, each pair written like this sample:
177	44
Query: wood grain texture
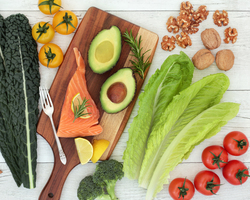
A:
151	15
93	22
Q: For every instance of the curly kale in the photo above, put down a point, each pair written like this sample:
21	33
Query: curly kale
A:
107	173
19	95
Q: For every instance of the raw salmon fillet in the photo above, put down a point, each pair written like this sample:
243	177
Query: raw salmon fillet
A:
80	127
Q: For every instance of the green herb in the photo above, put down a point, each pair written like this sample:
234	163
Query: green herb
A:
42	30
66	20
79	111
140	65
50	3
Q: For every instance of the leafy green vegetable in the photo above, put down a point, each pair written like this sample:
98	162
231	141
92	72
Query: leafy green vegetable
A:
20	79
174	75
203	126
184	108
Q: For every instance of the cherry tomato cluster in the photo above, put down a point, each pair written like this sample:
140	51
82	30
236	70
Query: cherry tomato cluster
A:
64	22
215	157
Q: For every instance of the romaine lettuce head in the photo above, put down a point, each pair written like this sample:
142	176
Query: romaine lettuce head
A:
184	107
175	75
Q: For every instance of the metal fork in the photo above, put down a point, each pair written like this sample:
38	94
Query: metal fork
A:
48	109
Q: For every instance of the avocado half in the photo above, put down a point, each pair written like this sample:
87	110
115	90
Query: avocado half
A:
105	50
118	91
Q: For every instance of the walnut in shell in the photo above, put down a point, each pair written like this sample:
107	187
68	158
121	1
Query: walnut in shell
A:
203	59
210	38
224	59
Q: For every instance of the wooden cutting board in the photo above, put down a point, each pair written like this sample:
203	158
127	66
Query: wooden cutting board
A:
113	125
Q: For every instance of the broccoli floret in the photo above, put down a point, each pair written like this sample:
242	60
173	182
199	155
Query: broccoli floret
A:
88	190
106	175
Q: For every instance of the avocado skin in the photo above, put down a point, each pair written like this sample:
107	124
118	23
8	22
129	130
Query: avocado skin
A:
115	37
125	76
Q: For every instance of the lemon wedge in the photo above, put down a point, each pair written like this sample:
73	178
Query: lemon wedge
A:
84	149
99	147
76	101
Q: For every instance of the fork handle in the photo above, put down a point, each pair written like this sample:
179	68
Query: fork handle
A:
59	146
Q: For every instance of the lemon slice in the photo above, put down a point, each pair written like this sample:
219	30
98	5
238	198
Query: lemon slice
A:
76	101
99	147
84	149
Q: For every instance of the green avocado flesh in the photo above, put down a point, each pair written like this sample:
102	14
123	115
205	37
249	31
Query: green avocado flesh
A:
118	91
105	50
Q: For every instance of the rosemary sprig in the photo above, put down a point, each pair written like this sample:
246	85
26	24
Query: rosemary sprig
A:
79	110
140	65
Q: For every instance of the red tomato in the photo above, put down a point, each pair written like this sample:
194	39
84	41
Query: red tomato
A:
181	188
236	143
235	172
207	182
214	157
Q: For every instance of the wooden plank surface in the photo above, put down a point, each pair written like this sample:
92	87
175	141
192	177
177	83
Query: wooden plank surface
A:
151	15
113	125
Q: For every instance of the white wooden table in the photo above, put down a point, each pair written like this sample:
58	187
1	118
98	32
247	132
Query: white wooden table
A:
151	15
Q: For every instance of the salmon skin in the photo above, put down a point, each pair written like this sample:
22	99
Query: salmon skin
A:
80	127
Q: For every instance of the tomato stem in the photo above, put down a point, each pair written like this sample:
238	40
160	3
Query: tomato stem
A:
49	56
42	29
66	20
241	143
183	190
217	160
50	3
211	186
241	174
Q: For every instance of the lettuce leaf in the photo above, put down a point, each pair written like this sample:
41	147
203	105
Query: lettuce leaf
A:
203	126
175	75
184	108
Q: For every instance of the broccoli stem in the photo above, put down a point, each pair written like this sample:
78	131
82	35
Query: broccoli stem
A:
111	189
103	197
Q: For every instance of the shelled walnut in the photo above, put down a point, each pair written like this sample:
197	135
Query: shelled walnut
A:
221	18
183	40
184	19
168	43
230	34
187	6
172	25
200	14
193	28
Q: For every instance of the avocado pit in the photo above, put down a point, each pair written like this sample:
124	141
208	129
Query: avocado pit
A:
117	92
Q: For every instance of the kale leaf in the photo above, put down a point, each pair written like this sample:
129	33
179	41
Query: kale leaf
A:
19	95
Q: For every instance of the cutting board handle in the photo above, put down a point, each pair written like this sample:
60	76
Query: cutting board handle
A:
54	186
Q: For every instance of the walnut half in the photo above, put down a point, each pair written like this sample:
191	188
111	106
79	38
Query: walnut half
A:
183	40
168	43
230	34
220	18
172	25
